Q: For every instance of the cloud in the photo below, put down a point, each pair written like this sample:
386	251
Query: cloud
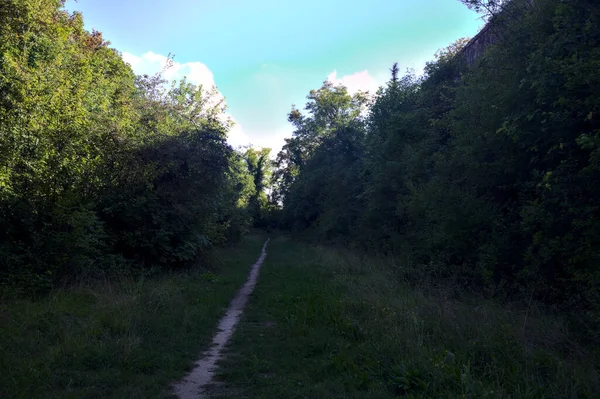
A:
196	73
237	136
359	81
274	140
150	63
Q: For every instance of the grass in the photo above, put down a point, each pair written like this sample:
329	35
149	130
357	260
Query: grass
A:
130	339
326	323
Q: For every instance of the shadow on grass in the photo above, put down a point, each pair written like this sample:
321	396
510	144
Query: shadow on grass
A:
129	339
326	323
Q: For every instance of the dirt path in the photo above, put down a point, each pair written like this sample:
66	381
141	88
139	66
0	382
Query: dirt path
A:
192	385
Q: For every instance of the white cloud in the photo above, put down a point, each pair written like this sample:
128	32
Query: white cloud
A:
196	73
362	81
237	136
274	141
150	63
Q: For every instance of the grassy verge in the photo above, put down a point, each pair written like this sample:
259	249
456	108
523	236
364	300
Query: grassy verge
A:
324	323
130	339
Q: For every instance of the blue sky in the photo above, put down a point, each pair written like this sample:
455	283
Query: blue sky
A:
266	55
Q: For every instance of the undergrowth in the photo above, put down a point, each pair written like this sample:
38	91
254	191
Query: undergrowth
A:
127	339
327	323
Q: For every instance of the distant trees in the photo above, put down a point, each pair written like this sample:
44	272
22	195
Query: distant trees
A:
487	174
313	178
260	169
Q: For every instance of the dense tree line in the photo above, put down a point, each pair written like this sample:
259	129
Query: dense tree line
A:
102	171
488	175
262	206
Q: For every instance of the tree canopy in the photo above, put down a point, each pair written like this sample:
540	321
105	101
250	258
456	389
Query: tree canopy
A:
102	171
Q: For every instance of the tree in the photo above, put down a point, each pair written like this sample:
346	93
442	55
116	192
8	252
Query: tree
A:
485	174
487	7
260	169
330	109
317	167
100	170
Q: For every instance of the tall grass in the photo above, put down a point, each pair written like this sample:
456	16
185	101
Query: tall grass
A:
329	323
122	339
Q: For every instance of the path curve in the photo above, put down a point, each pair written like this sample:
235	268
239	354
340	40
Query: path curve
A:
192	385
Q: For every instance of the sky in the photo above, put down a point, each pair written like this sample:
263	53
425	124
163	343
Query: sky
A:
266	55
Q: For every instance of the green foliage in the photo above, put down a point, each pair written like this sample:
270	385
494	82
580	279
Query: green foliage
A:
100	170
486	173
317	166
260	170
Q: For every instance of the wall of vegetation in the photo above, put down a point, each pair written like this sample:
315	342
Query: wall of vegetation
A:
103	172
488	175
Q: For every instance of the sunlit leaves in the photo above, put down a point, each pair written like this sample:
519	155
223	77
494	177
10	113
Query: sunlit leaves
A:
100	169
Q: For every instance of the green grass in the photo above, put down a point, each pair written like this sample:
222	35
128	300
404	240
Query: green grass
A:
130	339
326	323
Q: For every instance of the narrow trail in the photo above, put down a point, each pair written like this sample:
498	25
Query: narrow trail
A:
193	384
